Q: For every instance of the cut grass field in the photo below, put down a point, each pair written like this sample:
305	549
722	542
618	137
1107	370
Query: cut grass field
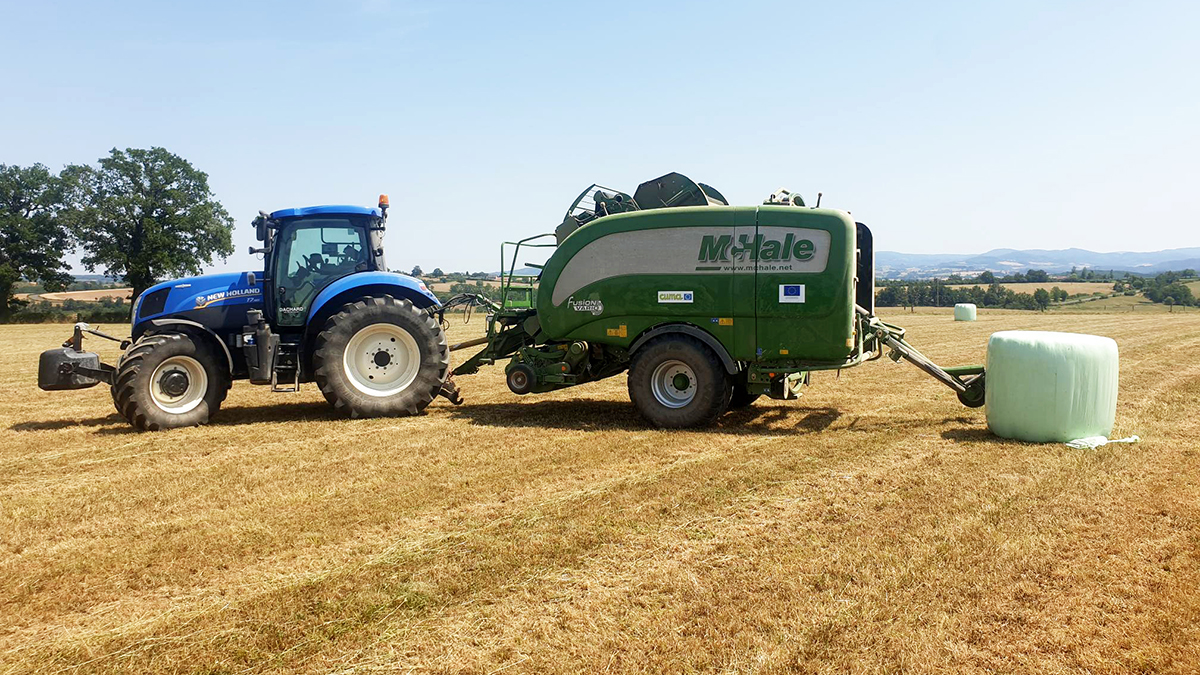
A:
872	526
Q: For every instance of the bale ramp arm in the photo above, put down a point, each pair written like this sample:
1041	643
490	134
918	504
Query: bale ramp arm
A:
967	381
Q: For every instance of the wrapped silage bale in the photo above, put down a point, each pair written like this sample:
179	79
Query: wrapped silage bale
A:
964	311
1051	387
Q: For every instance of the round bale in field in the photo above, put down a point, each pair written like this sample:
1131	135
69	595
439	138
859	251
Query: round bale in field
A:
964	311
1050	387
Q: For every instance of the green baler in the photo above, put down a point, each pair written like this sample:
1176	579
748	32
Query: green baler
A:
708	306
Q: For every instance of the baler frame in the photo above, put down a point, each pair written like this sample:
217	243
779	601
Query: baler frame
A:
514	332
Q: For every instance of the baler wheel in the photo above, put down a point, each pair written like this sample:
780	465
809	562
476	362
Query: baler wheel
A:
741	398
381	356
974	396
676	381
169	380
521	379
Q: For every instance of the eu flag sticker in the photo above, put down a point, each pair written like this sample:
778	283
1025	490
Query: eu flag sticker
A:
791	292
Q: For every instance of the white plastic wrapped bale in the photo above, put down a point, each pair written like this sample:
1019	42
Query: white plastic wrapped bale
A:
1051	387
964	311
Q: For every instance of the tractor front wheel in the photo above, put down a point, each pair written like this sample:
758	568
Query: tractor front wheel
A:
379	357
169	380
676	381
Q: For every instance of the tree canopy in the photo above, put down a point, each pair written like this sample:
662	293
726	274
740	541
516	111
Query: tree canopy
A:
33	237
145	215
1042	298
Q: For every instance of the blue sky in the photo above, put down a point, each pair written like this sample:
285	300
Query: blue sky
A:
946	127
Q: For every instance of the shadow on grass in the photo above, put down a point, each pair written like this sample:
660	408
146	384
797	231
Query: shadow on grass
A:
114	424
871	425
55	425
589	415
311	411
971	435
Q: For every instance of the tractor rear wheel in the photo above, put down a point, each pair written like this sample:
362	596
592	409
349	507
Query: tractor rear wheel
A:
676	381
169	380
381	356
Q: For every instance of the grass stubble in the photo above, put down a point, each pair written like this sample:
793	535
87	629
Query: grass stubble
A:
872	526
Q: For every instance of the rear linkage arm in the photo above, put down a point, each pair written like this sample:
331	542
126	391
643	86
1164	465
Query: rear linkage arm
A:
507	331
468	300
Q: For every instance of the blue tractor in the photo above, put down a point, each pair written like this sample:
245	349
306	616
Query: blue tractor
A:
324	309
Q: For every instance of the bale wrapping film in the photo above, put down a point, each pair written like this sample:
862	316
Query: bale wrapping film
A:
964	311
1050	387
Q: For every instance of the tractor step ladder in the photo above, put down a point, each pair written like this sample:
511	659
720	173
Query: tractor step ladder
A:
287	365
294	386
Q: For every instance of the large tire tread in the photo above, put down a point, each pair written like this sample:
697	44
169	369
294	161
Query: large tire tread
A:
130	386
331	343
713	385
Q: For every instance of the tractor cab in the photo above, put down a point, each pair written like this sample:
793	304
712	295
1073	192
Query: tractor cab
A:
307	249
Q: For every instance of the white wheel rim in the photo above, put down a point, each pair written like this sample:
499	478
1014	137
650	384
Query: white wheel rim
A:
197	384
381	360
665	381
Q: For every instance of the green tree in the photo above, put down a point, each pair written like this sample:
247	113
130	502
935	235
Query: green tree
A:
1042	298
33	236
146	215
416	271
437	272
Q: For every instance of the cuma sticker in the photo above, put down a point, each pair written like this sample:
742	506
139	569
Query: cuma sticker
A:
675	297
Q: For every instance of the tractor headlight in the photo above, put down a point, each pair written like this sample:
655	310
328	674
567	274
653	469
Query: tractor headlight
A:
137	305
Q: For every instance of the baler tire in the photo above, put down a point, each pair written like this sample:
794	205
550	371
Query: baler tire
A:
330	361
520	379
742	398
132	388
974	396
711	388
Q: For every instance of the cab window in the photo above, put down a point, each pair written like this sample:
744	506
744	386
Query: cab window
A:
313	253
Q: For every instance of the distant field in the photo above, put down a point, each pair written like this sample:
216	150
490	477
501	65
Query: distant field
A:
85	296
442	286
873	526
1121	303
1081	287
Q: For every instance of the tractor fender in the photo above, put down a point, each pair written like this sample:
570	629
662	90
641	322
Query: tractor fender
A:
700	334
370	283
162	323
355	287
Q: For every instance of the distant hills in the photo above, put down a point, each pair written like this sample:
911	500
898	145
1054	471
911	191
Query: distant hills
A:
893	265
